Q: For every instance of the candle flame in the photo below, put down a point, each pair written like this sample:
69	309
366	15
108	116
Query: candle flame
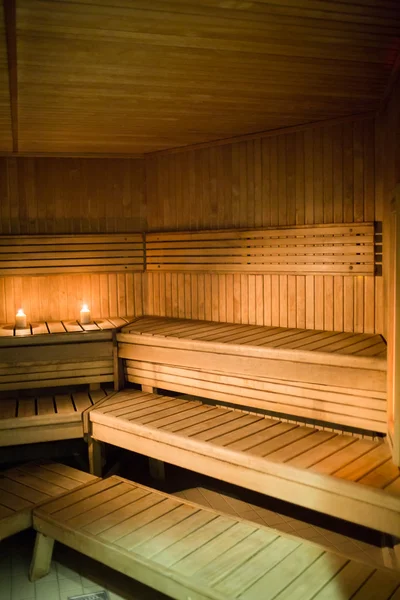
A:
85	307
20	312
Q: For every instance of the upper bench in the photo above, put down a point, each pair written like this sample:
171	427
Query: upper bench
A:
333	249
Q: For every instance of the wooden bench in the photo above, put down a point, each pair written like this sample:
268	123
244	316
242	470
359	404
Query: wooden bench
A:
45	418
25	487
324	376
190	552
336	474
58	353
48	254
319	249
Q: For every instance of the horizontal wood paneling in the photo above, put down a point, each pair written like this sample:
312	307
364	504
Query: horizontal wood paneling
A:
61	296
332	249
71	195
145	76
44	254
322	174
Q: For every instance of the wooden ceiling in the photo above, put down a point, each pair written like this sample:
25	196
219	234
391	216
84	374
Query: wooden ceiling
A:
136	76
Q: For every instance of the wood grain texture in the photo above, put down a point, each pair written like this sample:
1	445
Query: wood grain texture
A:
279	371
194	72
71	196
337	303
322	174
331	249
5	111
34	255
56	297
27	486
187	551
65	195
388	148
316	469
302	178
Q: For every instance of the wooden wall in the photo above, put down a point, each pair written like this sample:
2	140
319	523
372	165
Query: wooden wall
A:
388	171
71	195
317	174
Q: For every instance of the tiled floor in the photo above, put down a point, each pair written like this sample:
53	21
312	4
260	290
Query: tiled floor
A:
70	575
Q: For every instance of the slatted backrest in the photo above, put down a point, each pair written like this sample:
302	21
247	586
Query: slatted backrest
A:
45	254
320	249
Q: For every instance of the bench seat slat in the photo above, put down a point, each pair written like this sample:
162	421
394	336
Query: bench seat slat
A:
185	550
262	453
27	486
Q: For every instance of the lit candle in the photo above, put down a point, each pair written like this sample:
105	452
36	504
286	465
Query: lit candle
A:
85	315
20	319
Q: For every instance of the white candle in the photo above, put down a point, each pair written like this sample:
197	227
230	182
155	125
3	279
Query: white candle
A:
85	315
20	319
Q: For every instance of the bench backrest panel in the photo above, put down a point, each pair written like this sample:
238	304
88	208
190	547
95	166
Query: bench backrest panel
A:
45	254
320	249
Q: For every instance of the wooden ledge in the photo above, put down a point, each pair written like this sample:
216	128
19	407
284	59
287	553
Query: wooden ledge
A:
63	331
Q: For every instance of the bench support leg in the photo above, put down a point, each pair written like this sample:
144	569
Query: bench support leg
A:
96	451
157	469
119	378
41	559
149	389
391	551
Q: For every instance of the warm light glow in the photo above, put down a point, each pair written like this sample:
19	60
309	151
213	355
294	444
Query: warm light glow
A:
85	307
20	313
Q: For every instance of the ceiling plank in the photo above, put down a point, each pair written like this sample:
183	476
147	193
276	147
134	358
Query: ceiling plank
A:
137	77
10	23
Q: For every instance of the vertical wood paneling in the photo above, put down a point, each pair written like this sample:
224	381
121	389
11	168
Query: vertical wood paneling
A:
71	195
322	174
388	172
340	303
61	296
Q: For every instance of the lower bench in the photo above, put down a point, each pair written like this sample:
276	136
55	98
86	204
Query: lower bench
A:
190	552
337	474
25	487
45	418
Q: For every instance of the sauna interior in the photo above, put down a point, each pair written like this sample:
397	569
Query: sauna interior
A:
199	281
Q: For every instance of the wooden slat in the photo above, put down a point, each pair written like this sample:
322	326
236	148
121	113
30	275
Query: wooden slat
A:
191	551
40	254
327	249
27	486
249	443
